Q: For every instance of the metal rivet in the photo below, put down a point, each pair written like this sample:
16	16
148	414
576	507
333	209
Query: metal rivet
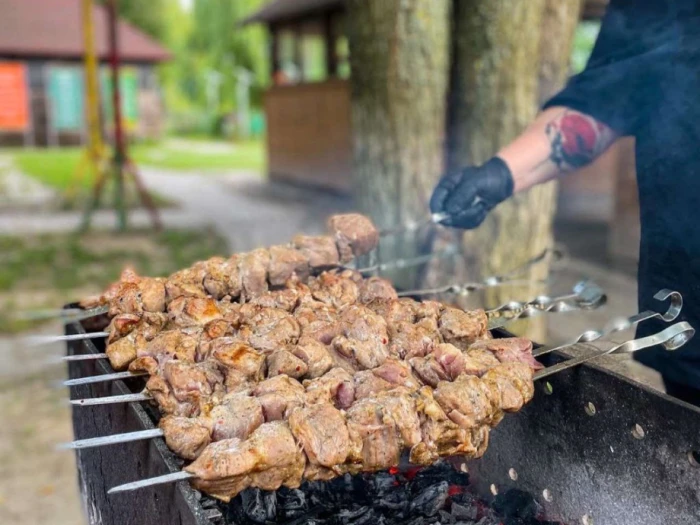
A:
586	520
694	458
547	495
548	388
513	474
590	409
638	432
494	490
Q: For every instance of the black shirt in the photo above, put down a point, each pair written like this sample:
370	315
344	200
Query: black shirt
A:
643	79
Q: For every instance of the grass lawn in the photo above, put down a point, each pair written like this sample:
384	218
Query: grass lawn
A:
57	167
46	271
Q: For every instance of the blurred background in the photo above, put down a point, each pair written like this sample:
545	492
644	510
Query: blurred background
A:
247	121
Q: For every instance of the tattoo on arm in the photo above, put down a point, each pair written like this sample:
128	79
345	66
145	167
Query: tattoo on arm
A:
577	139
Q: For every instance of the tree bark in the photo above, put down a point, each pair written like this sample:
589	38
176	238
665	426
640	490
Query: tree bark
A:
508	55
399	53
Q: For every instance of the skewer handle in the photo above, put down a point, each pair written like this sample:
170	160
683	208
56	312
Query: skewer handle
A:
671	338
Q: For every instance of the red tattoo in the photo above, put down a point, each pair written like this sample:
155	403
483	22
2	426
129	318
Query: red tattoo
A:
577	139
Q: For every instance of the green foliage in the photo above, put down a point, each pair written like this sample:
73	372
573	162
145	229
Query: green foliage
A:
584	40
150	20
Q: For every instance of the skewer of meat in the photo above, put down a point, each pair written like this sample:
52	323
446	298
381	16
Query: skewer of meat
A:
318	441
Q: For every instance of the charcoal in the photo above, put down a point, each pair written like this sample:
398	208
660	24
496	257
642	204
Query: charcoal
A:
517	507
443	471
351	516
462	512
431	499
445	517
380	484
257	506
291	503
396	500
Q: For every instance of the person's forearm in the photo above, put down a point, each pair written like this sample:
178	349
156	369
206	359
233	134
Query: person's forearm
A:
560	140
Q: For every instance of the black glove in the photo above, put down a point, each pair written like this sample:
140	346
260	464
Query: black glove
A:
466	197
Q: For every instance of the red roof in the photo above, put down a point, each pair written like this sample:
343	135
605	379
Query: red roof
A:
53	29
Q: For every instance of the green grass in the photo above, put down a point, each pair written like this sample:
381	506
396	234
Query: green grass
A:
193	155
46	271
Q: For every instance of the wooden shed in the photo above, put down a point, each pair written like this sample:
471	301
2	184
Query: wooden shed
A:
41	72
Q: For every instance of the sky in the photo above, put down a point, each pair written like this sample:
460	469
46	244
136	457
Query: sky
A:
187	4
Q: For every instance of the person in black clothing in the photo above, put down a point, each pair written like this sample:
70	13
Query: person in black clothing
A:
642	80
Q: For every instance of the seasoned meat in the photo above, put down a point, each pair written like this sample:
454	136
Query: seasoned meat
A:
510	350
462	328
322	433
377	289
365	338
334	289
401	311
397	373
270	329
507	376
193	311
278	396
355	235
128	276
336	387
320	252
286	299
152	292
159	388
428	370
186	436
122	325
235	356
285	263
186	283
375	443
215	280
193	383
237	416
408	340
269	459
367	384
314	354
469	401
234	279
169	345
284	362
123	351
253	269
318	321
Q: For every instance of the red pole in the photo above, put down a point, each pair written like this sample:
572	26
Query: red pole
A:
119	142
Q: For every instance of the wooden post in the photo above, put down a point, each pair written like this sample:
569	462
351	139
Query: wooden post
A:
329	34
274	52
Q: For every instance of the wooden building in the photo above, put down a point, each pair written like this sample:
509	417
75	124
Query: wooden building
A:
41	73
308	119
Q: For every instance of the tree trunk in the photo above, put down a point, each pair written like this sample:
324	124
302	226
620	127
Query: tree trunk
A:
508	56
399	53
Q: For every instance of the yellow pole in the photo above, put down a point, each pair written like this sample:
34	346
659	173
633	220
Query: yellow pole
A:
95	145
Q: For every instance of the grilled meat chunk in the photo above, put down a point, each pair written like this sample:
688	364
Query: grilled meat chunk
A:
377	289
215	282
270	329
237	416
284	362
286	299
355	235
269	459
286	263
335	387
193	311
186	436
253	269
462	328
169	345
278	396
186	283
320	252
318	321
510	350
322	433
335	289
239	361
315	356
365	338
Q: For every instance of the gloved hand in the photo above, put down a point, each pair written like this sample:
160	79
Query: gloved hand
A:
467	196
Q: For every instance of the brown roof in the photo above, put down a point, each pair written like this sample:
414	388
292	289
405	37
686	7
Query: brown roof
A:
279	10
53	29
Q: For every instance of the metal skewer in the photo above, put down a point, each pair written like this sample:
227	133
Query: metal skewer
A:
488	282
68	315
37	340
617	325
125	398
102	378
671	338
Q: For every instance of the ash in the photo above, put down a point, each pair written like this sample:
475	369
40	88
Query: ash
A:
429	496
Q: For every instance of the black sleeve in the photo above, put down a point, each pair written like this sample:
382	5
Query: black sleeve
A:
617	83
